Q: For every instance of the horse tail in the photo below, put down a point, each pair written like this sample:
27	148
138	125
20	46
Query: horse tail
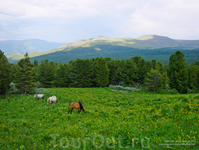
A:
81	106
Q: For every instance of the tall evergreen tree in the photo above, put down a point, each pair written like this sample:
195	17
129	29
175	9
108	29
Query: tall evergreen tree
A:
178	76
61	75
102	73
121	72
46	73
81	73
36	63
153	80
25	75
5	73
142	68
192	76
113	65
131	72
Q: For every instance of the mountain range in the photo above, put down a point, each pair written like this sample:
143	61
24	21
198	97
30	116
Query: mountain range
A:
147	46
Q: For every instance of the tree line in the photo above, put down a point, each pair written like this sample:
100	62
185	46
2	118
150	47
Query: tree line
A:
101	72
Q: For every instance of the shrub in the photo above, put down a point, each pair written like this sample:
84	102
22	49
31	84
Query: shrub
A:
173	91
189	91
13	89
132	89
163	91
41	91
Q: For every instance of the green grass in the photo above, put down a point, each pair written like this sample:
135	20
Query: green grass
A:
111	120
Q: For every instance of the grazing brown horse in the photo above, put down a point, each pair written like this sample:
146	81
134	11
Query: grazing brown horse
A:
77	105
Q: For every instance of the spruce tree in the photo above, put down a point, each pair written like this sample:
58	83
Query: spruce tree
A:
61	76
102	73
46	73
153	80
5	73
178	76
25	75
142	69
131	72
87	71
112	65
121	72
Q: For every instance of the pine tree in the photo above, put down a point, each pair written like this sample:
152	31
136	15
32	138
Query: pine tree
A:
142	69
25	75
113	65
102	73
192	76
5	73
87	71
36	63
61	77
46	73
153	80
177	72
121	72
81	73
131	72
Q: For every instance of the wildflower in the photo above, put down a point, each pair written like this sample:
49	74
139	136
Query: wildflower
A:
96	143
132	139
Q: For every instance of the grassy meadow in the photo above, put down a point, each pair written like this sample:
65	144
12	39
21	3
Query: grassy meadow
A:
136	120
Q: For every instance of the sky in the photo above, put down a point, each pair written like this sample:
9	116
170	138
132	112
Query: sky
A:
67	21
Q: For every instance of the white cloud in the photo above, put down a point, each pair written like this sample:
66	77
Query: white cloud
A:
42	18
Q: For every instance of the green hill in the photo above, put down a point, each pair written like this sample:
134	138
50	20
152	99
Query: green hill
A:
147	46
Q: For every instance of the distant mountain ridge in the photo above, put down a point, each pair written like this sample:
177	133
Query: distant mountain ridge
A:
118	48
17	47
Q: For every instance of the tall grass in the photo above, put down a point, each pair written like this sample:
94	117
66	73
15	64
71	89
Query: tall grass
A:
111	120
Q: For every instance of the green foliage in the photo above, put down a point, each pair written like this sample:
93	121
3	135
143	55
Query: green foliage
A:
153	80
13	89
41	91
178	74
132	89
61	76
5	73
117	53
135	71
81	73
133	120
46	73
173	91
25	75
101	73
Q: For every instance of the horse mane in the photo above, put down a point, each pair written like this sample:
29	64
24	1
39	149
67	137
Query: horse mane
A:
81	106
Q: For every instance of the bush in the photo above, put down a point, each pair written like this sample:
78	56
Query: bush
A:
163	91
173	91
189	91
41	91
132	89
13	89
39	85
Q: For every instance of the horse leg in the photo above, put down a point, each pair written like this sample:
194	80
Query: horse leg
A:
71	110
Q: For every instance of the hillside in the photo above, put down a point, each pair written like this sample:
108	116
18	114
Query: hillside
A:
147	46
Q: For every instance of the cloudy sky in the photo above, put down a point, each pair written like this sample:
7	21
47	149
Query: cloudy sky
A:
70	20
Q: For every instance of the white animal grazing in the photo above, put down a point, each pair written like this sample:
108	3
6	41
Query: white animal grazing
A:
39	96
51	99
